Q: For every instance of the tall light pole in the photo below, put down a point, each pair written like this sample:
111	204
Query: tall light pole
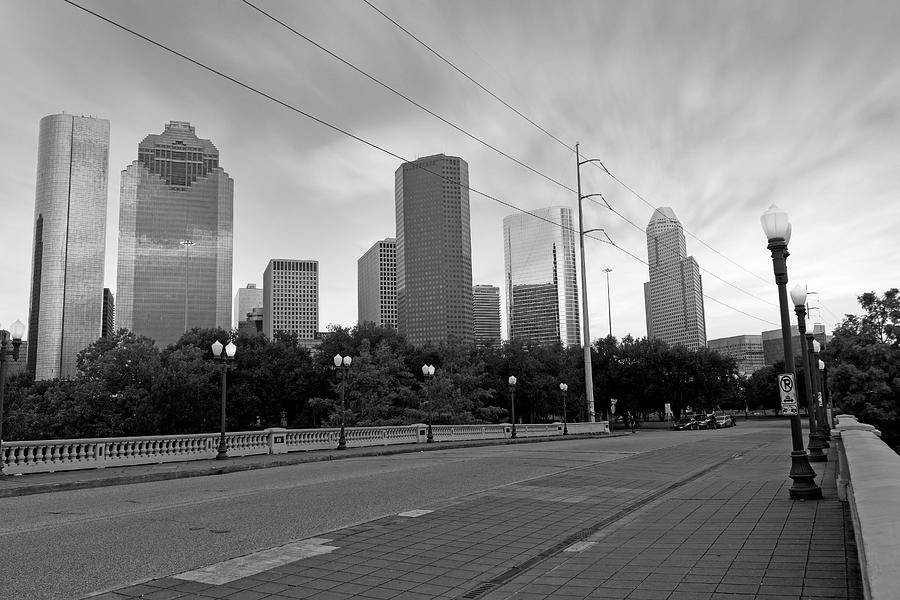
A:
226	359
777	228
821	417
826	397
17	331
798	296
608	303
342	363
428	372
564	388
588	368
512	404
187	244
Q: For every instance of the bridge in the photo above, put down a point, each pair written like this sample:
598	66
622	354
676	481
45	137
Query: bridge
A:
655	515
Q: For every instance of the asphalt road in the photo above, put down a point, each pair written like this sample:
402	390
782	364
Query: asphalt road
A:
70	544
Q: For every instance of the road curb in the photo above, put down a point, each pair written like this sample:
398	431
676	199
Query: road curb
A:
283	460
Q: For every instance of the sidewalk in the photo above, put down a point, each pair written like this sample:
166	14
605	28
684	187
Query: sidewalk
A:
40	483
704	521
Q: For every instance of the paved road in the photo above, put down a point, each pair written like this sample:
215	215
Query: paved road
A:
69	544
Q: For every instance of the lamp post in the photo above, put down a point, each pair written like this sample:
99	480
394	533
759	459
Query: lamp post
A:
17	330
342	363
777	228
825	395
226	359
818	389
564	388
186	244
798	296
608	302
428	372
588	374
512	404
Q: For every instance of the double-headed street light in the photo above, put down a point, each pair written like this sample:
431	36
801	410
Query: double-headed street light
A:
826	399
343	364
777	228
227	361
17	332
428	372
815	367
798	296
512	403
564	388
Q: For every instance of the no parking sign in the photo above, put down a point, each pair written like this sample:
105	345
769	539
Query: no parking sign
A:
788	392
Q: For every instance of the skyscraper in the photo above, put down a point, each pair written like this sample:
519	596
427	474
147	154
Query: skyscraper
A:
673	298
746	350
377	284
175	237
486	309
541	283
69	243
434	250
245	300
291	298
109	313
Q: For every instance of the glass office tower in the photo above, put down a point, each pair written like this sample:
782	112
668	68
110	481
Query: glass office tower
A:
541	284
175	237
434	250
69	243
673	298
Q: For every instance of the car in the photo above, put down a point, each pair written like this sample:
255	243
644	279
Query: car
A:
708	422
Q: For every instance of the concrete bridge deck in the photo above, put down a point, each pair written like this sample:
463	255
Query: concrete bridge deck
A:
706	520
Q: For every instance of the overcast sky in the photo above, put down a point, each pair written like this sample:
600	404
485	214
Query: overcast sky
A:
716	109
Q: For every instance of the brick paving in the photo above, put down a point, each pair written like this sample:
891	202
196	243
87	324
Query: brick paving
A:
703	521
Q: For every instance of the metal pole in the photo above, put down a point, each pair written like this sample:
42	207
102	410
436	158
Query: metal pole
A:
512	406
430	438
804	486
223	447
565	424
342	438
813	365
814	445
608	303
588	368
2	390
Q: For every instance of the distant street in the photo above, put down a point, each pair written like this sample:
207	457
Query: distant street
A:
69	544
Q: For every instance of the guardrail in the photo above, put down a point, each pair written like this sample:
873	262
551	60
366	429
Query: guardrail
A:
868	479
47	456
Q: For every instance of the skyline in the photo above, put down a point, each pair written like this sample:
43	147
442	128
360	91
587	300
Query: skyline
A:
715	110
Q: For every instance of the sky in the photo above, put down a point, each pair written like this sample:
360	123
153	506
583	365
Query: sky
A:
716	109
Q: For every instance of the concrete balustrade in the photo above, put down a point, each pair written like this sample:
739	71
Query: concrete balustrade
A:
43	456
868	479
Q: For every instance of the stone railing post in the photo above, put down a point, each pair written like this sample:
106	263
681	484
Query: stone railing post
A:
277	439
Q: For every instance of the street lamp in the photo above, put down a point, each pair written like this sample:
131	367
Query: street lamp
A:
226	359
564	388
777	228
17	331
818	388
512	403
342	363
798	296
428	372
825	396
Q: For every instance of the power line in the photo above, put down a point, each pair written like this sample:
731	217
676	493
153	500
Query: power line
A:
333	127
545	131
310	116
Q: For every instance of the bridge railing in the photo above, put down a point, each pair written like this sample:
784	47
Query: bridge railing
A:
44	456
868	479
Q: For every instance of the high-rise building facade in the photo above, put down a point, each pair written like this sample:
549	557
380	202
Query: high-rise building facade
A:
541	282
69	243
175	237
291	299
434	250
746	350
377	284
486	310
773	342
109	313
673	298
245	300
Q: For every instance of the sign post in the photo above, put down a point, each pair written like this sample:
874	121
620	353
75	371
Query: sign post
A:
787	389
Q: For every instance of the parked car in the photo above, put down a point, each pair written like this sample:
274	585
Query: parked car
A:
725	421
708	421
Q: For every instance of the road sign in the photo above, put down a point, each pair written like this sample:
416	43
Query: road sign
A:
613	401
819	398
668	409
788	392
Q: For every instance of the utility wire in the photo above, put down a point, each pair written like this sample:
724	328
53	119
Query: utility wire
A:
333	127
545	131
297	110
405	97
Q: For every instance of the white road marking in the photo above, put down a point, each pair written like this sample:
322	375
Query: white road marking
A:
580	546
251	564
414	513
